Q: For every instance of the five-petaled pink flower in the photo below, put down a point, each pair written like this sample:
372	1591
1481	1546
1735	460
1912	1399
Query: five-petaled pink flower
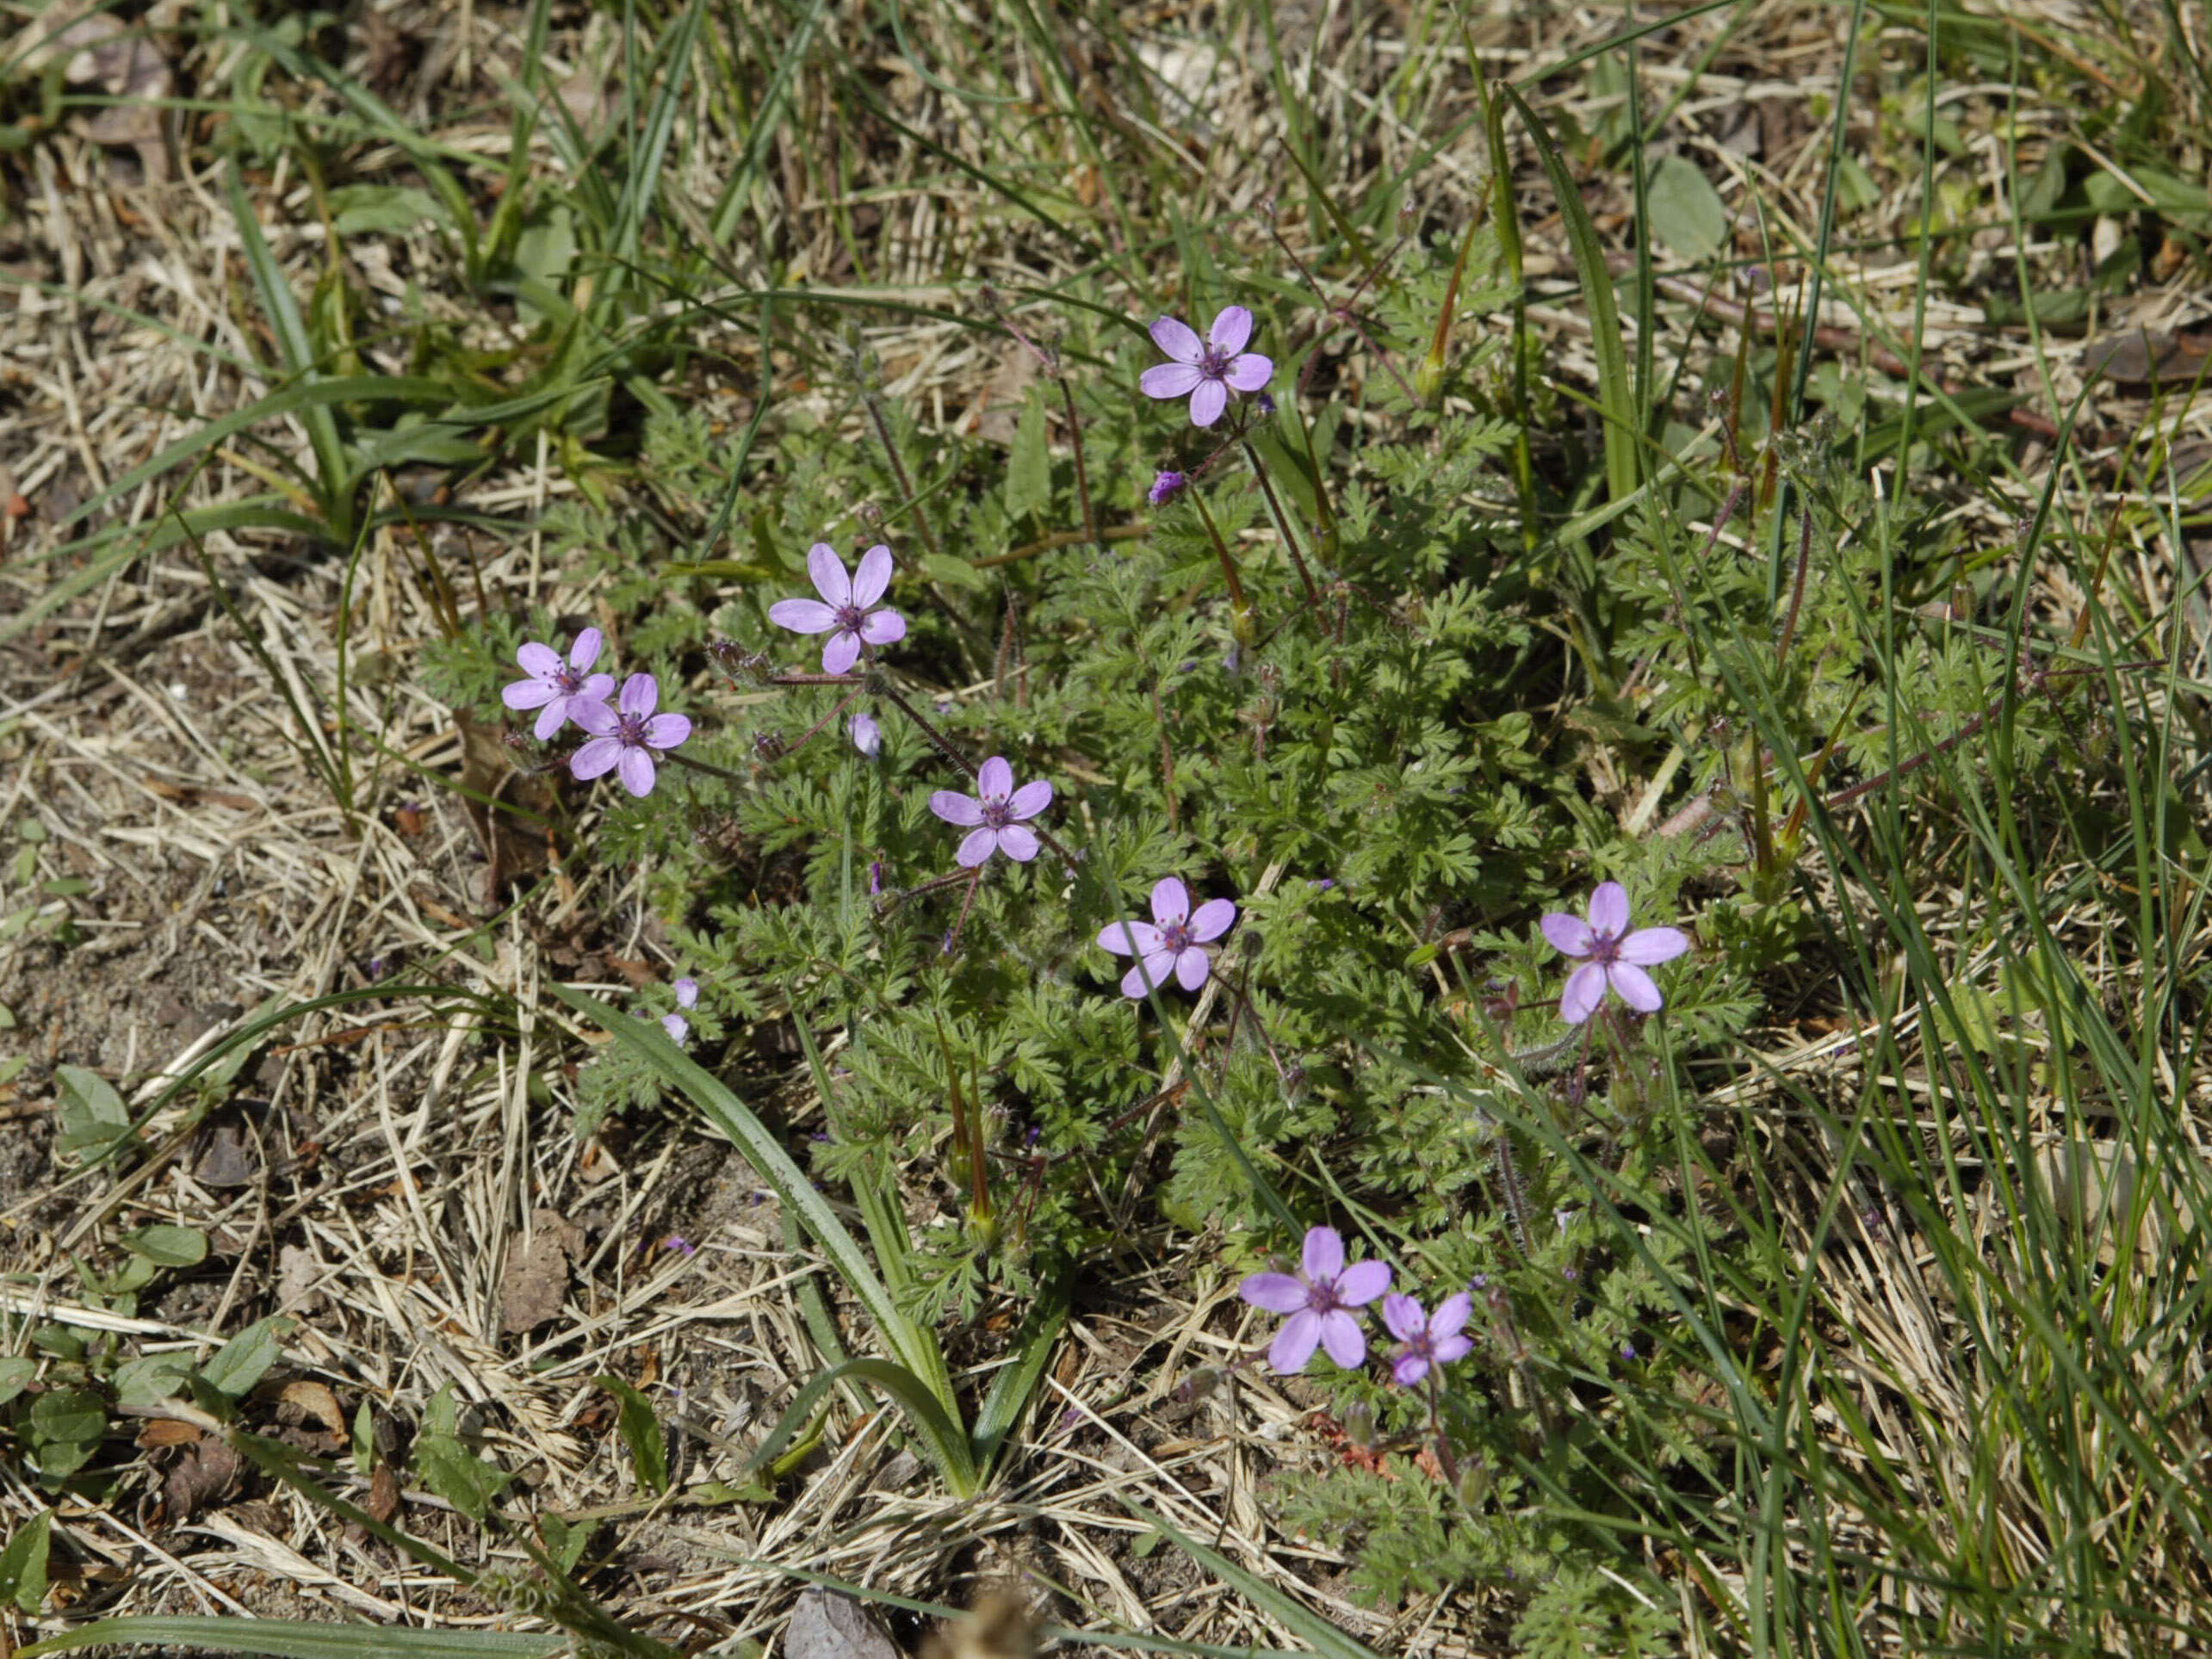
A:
1206	371
1319	1300
847	610
1174	940
993	820
557	688
687	996
1426	1339
1610	954
627	734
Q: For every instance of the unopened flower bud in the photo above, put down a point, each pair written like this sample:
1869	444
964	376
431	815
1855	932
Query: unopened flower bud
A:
770	745
1474	1485
1165	487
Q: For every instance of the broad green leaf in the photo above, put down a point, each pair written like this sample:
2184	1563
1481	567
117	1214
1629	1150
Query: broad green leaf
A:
642	1432
955	572
1686	212
1029	464
23	1564
365	209
167	1246
15	1374
152	1377
92	1116
458	1476
243	1361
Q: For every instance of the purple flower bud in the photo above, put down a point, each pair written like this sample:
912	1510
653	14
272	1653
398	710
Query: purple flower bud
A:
1266	402
867	736
874	878
1165	487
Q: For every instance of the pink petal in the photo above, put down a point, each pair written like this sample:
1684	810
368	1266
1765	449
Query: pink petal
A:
687	992
1569	934
676	1027
956	808
841	651
1362	1282
1322	1254
640	693
1207	403
1132	938
1171	902
1018	843
994	777
585	651
1648	945
1277	1293
1232	327
873	576
1451	1315
1029	799
1608	909
541	660
828	572
1174	337
1448	1348
1249	372
529	694
596	758
636	771
666	731
803	616
1214	918
1408	1369
1585	990
1192	967
1343	1340
1295	1343
1154	969
598	688
551	718
595	717
882	626
1169	381
975	846
1635	987
1404	1317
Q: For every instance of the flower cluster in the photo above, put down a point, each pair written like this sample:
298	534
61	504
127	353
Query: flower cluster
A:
626	739
1319	1302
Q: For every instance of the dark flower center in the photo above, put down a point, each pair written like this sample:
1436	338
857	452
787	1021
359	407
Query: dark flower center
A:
849	616
1213	362
629	730
998	812
1321	1296
1175	936
1604	948
568	680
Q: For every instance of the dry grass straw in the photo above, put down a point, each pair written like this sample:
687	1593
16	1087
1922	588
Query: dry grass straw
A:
390	1166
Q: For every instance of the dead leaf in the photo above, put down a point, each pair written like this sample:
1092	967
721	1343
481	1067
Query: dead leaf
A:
511	828
537	1274
227	1162
2136	357
828	1625
203	1473
164	1431
997	1626
296	1273
315	1400
383	1493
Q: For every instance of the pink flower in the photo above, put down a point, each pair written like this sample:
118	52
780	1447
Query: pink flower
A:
557	688
1318	1300
867	736
687	996
627	735
1173	940
847	610
993	820
1611	955
1426	1339
1206	371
